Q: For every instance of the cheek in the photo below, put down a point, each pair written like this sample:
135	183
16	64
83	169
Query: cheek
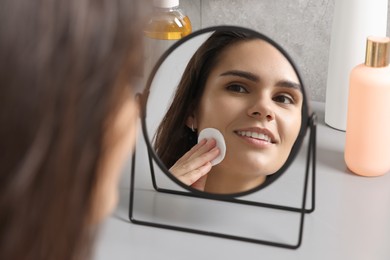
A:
290	124
124	133
218	112
119	141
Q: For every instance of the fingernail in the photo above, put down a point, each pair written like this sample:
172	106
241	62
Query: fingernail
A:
211	140
203	141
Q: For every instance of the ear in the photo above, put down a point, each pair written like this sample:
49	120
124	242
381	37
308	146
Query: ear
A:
191	122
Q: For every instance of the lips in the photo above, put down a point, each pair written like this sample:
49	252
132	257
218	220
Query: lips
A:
257	133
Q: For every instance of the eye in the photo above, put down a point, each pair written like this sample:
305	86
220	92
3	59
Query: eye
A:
237	88
283	98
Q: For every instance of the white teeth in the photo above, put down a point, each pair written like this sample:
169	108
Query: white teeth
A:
255	135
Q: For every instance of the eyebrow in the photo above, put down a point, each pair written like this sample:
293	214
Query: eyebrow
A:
253	77
242	74
289	84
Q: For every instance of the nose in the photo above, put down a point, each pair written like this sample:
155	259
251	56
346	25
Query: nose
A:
261	110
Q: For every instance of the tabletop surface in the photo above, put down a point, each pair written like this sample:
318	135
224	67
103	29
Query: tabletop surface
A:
351	219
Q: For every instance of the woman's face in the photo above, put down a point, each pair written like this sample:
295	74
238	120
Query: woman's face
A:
253	97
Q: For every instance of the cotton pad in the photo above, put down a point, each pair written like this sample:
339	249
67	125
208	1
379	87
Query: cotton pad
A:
208	133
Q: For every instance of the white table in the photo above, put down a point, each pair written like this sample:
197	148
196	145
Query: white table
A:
351	220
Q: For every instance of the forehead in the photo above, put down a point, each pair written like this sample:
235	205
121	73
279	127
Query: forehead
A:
258	57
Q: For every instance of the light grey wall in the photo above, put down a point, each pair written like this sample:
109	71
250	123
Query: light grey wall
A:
302	27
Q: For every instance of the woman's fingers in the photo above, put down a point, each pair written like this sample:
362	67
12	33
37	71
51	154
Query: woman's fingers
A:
201	182
196	162
195	158
193	176
208	145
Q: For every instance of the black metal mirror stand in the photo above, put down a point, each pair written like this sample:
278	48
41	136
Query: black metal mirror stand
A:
310	168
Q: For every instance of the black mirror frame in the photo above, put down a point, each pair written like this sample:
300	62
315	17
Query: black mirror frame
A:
305	116
308	121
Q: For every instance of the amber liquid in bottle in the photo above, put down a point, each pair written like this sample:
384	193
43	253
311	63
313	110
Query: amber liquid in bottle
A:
166	26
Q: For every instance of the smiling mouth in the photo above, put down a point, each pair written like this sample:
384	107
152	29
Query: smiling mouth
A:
255	135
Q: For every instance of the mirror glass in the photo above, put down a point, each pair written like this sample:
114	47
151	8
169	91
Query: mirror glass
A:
245	90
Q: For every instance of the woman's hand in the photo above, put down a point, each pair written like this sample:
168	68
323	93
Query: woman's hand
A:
193	166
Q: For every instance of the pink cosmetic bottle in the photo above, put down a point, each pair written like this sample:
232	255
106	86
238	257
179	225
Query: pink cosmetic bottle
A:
367	146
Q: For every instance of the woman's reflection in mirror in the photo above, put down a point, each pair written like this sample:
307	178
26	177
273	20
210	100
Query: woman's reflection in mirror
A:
247	89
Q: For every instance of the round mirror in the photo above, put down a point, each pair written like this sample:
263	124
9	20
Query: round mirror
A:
225	111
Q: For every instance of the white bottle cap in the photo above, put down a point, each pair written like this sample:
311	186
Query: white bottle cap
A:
217	135
166	3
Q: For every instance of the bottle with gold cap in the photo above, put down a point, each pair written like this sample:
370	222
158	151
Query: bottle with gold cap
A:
367	146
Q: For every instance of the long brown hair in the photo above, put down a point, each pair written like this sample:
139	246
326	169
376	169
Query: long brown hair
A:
173	138
65	67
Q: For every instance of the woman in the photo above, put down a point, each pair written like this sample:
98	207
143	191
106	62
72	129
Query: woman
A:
244	87
67	120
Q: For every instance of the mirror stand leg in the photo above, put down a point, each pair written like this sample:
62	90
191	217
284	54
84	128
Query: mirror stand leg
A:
132	179
310	161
